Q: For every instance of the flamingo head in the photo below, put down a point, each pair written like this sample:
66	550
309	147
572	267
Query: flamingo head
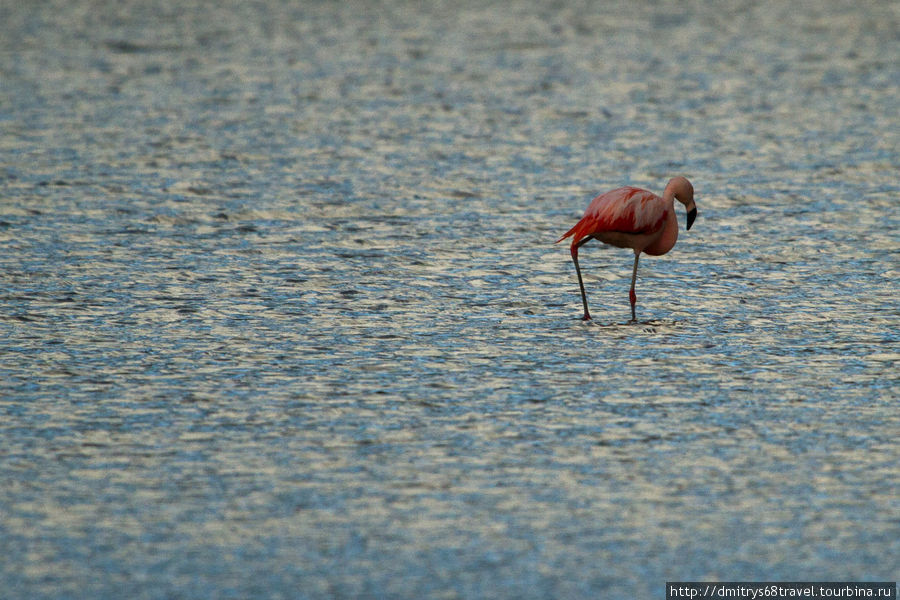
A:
683	191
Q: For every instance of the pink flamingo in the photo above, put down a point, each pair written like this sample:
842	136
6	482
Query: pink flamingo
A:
630	217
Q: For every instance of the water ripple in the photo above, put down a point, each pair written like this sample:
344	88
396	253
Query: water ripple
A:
282	311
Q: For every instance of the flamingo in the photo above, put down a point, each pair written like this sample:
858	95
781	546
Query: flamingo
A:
629	217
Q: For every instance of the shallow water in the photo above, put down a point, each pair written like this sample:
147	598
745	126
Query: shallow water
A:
282	315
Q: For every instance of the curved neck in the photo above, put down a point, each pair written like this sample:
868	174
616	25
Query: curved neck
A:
669	234
679	189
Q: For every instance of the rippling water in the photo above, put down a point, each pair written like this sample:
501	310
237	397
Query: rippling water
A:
282	315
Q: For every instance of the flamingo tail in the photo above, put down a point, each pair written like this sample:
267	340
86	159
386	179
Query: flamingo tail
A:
578	231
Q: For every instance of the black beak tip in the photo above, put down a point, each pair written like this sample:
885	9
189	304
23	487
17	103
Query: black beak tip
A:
692	214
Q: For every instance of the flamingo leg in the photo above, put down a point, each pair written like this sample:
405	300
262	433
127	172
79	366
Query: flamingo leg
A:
631	295
587	315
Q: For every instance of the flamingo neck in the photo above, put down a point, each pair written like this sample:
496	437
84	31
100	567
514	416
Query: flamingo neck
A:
668	237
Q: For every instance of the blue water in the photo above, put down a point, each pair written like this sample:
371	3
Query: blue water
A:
282	315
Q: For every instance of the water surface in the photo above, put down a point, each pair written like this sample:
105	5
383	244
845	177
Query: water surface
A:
282	315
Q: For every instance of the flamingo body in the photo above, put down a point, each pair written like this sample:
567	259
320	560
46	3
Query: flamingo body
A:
629	217
626	210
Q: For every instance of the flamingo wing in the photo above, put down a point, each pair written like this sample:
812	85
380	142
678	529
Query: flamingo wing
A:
625	210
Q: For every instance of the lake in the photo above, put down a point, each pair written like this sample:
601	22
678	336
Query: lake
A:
283	316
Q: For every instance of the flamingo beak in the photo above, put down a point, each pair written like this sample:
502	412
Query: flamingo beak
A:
692	214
